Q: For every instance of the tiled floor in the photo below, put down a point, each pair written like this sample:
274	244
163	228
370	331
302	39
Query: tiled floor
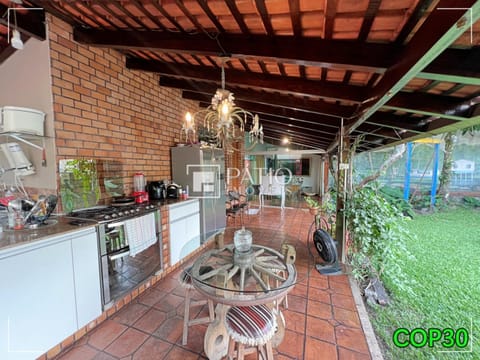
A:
322	321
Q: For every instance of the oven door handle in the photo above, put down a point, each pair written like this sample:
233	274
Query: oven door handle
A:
117	224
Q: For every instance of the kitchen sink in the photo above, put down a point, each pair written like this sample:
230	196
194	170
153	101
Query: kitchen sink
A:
42	225
36	226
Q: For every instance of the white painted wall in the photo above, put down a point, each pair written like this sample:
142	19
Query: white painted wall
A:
25	81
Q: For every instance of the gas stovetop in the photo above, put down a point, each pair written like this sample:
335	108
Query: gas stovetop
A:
105	213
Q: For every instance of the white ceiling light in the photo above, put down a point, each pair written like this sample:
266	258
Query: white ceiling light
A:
16	40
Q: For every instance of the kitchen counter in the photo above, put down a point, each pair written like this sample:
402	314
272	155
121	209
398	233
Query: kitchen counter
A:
14	238
19	238
166	202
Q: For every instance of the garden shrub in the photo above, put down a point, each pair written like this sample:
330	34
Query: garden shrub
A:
378	239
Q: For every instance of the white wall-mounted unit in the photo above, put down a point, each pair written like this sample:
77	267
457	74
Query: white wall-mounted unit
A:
22	120
17	160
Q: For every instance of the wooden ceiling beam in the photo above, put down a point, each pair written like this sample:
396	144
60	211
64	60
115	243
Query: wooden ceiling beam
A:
262	10
267	121
440	29
341	54
264	109
290	115
399	122
299	137
421	102
352	55
30	23
456	66
292	85
274	99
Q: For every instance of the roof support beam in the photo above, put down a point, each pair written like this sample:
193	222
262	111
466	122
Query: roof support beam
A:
352	55
262	97
30	23
439	30
278	83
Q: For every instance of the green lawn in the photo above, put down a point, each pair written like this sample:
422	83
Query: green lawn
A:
444	276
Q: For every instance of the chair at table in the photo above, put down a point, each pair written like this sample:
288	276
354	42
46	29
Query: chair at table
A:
186	281
239	200
251	328
232	212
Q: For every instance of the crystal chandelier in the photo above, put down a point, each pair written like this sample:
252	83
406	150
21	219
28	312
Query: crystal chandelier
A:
224	122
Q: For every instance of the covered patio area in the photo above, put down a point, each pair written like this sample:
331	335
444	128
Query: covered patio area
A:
325	318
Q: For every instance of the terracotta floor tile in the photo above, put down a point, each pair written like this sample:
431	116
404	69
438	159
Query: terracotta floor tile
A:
180	353
83	352
153	348
319	309
340	279
169	303
105	334
319	350
196	335
170	330
127	343
297	303
292	345
320	329
346	317
340	288
344	301
318	283
151	296
319	295
130	314
347	354
295	320
299	290
353	339
150	321
168	284
104	356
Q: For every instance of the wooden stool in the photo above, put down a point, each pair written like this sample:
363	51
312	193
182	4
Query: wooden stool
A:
253	326
186	281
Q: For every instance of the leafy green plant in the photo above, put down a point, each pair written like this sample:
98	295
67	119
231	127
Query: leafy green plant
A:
395	197
79	185
378	237
312	203
471	201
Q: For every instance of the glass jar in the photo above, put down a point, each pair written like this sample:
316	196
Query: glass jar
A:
242	240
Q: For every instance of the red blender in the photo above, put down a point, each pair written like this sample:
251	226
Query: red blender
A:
139	191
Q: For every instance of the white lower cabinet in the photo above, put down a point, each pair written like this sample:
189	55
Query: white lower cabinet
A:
48	290
184	229
86	271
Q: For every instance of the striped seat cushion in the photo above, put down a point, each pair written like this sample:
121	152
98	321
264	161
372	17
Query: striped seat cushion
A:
251	325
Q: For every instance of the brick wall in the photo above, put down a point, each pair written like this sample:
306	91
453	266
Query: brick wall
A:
105	111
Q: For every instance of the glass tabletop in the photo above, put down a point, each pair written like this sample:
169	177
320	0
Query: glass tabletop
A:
230	273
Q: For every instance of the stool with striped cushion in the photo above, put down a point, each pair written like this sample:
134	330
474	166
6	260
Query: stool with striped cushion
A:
186	281
253	326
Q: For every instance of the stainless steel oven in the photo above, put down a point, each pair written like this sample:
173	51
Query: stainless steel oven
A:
130	245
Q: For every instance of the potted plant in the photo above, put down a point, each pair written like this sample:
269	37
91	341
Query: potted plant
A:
313	205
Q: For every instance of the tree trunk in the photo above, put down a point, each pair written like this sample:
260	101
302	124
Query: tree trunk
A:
400	150
446	173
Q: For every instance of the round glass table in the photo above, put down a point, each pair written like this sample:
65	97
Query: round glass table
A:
239	274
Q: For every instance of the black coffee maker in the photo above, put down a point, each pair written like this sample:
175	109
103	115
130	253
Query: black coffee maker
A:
156	190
